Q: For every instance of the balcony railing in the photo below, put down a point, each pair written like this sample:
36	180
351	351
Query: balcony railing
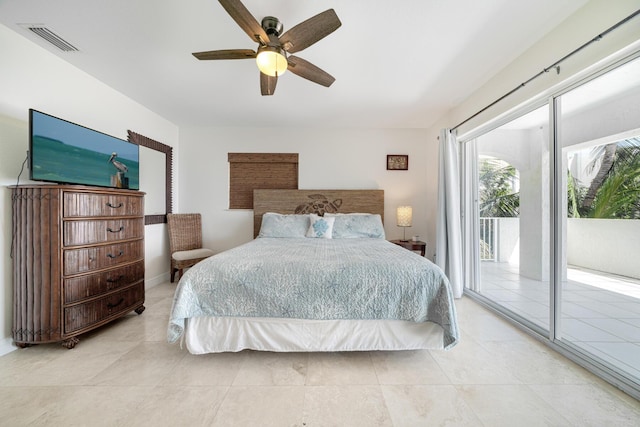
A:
488	239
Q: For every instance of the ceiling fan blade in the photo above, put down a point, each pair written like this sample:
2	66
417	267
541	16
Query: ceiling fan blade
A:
245	20
267	84
307	70
310	31
225	54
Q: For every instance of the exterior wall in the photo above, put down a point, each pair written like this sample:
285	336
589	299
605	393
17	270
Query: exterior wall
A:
508	239
608	245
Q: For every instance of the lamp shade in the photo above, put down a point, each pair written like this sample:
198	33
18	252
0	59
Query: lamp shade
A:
271	61
405	215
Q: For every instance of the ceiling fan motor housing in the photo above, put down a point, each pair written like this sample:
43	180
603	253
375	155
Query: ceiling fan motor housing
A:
272	25
272	58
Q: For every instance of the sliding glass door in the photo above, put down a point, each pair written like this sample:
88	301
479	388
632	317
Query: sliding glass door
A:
599	149
551	220
513	213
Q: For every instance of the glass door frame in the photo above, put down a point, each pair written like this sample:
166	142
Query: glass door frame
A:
525	324
552	337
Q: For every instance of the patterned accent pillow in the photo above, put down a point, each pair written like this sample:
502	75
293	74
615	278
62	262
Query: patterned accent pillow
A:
352	226
279	225
320	227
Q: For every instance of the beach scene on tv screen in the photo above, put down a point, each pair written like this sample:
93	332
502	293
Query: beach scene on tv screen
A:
68	153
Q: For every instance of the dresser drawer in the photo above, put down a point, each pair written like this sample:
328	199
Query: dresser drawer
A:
81	316
90	285
83	260
77	205
87	232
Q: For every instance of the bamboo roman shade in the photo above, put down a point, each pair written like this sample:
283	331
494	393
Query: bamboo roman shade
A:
250	171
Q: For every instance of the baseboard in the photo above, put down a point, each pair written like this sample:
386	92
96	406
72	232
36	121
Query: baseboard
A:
6	346
155	281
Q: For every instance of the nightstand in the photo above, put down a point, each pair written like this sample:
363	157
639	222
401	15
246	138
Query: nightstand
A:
411	245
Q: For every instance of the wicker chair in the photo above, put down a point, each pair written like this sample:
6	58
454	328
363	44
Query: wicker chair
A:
185	241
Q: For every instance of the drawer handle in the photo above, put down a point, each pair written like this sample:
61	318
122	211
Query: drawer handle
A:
115	256
110	230
109	305
120	277
114	207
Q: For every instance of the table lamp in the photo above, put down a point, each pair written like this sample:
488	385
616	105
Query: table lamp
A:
405	214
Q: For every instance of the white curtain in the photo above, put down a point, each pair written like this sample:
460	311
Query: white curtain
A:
448	227
470	215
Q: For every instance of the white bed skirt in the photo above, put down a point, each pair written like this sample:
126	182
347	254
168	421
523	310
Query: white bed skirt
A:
221	334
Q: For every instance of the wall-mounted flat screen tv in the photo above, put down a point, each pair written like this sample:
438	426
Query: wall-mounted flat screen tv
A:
67	153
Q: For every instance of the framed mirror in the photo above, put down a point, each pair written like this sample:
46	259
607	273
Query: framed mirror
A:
158	154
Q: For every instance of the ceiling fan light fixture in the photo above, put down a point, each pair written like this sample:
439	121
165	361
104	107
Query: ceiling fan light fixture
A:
271	61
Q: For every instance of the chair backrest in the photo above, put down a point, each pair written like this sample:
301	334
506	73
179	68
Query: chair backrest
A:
185	231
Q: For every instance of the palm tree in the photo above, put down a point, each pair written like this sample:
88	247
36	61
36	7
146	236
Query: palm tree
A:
498	189
498	184
615	190
603	154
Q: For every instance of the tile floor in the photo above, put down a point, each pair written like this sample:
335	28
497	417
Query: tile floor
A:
600	312
126	374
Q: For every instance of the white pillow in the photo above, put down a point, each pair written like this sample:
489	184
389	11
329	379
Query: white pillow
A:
320	227
357	225
280	225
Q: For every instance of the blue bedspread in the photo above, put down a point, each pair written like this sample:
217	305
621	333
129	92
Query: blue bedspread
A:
322	279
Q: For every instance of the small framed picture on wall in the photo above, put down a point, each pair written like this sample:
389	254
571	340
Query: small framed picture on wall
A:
397	162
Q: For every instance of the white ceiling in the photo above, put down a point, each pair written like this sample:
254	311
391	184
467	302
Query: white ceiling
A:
398	64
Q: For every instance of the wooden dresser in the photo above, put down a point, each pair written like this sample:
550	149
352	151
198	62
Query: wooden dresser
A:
78	260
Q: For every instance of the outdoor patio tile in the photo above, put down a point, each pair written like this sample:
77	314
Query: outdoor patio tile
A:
608	310
529	309
629	306
579	311
635	322
617	327
579	330
502	295
620	353
578	296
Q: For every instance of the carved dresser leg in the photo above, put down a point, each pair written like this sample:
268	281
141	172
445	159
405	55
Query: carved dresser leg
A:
70	343
140	309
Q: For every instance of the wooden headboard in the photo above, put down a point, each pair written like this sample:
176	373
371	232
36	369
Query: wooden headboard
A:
315	201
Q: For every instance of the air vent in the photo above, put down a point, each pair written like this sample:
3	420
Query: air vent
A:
51	37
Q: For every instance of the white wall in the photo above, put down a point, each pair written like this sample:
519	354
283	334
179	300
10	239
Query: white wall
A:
31	77
609	245
589	21
508	240
328	159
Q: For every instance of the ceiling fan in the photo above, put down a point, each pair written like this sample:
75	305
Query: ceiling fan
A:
273	55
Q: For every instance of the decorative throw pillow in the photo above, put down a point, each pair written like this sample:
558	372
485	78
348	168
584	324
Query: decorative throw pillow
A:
320	227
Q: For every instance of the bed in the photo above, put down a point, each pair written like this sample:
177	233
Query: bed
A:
319	276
